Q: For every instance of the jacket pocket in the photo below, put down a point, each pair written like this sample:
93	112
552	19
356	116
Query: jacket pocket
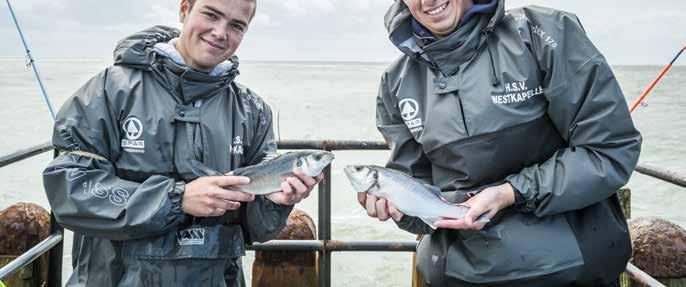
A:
201	242
519	247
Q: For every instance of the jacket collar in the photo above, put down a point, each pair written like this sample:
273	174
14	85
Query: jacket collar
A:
139	51
448	53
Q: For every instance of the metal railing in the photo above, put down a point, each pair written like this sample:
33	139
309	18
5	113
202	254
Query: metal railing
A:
324	245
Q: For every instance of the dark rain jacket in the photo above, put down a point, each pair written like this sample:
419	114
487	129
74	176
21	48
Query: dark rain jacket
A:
126	139
522	97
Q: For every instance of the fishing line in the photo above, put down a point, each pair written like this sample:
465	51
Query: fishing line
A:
639	101
31	62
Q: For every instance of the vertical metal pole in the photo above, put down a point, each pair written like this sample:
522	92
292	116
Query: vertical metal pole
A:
55	256
55	253
324	276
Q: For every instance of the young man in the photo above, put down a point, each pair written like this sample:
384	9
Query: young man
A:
517	115
123	181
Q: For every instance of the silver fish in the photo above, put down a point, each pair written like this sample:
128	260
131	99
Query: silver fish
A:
409	195
266	177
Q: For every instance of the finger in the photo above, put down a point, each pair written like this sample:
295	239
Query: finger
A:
279	198
478	225
362	199
232	195
226	204
394	212
473	213
216	212
286	188
381	209
371	205
297	185
309	181
451	223
229	180
320	177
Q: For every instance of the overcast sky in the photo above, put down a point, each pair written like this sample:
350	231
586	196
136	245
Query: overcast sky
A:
626	31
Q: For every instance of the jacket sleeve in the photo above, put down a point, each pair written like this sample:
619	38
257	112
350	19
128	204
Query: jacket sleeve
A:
590	113
406	154
263	219
82	186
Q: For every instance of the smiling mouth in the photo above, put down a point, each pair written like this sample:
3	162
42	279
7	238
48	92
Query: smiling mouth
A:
438	9
214	45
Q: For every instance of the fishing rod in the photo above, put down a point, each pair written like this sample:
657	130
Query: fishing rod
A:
659	77
31	62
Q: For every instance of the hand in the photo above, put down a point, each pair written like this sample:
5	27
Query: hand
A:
295	188
379	207
206	196
490	201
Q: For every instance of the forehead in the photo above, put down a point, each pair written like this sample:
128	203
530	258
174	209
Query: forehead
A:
232	9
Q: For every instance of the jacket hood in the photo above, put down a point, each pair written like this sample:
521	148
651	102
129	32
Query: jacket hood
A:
138	51
142	49
398	21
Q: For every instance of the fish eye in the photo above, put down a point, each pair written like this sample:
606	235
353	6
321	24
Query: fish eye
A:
299	163
357	168
317	156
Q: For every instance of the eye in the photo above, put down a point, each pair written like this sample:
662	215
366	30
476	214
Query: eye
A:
318	157
238	27
357	168
210	16
299	163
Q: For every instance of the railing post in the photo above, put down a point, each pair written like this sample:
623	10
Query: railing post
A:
324	262
55	253
55	256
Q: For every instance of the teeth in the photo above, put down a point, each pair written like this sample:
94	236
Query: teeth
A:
438	10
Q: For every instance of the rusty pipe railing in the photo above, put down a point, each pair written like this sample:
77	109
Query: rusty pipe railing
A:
325	245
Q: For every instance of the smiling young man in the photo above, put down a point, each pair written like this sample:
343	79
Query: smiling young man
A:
141	214
518	116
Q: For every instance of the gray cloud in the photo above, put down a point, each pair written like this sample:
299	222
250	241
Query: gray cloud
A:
628	32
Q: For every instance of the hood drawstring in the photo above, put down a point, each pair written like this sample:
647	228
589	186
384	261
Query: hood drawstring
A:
494	73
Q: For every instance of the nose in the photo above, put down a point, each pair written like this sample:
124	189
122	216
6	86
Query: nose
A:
220	32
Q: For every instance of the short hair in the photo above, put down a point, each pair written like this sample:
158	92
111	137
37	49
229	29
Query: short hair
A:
254	9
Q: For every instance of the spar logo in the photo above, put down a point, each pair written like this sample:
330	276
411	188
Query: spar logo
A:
409	109
133	129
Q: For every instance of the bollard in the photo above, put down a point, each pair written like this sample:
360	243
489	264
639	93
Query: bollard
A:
22	226
288	268
659	250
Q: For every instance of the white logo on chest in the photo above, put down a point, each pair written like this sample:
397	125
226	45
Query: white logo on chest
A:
237	146
133	129
516	92
409	108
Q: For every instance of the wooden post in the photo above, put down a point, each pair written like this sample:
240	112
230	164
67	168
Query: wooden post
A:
22	226
659	250
625	201
288	268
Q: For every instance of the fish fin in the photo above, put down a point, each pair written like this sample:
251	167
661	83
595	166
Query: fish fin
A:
434	189
483	218
430	221
200	169
270	156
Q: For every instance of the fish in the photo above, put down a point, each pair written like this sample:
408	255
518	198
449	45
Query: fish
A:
408	195
266	177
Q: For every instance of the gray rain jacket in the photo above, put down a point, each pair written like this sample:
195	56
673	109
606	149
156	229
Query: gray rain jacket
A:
522	97
126	139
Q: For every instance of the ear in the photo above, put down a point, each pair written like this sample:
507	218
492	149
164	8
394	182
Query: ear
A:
183	12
